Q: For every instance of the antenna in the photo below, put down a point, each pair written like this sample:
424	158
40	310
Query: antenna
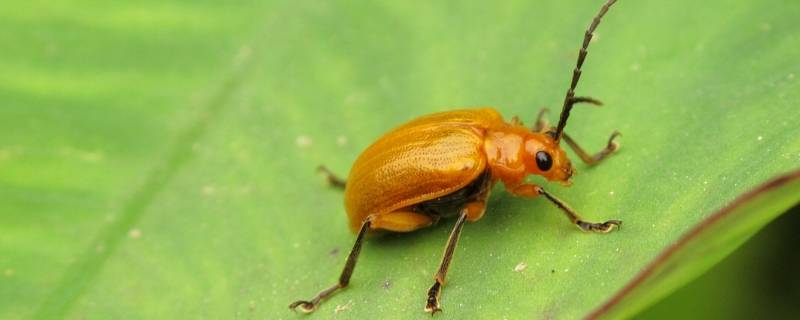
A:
570	99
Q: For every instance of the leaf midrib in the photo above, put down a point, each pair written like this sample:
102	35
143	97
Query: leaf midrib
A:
80	274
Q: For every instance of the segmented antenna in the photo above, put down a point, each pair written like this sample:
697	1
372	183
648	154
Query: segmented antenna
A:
570	99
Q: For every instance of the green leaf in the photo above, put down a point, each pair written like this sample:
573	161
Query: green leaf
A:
705	244
157	158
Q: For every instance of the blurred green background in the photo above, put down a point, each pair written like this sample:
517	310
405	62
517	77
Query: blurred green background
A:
156	157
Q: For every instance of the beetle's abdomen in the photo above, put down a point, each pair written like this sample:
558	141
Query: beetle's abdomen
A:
416	162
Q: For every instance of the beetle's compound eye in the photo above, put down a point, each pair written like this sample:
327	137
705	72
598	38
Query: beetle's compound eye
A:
543	161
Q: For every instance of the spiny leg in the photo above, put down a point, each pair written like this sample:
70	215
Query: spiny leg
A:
532	191
472	211
344	279
331	178
591	160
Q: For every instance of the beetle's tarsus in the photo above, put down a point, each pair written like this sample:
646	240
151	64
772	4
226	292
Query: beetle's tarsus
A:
604	227
305	306
613	145
433	309
433	299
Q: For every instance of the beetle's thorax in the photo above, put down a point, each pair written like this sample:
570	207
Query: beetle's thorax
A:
511	155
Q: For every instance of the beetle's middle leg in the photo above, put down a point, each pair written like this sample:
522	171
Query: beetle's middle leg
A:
532	191
331	178
472	212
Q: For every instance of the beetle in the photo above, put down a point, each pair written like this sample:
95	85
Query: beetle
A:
445	164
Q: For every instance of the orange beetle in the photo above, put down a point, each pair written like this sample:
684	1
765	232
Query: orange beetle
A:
445	164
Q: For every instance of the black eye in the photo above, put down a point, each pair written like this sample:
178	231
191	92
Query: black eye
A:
543	161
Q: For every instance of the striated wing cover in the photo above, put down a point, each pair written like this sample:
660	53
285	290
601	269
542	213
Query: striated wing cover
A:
426	158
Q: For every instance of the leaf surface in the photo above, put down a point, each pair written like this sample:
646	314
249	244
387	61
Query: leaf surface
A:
157	158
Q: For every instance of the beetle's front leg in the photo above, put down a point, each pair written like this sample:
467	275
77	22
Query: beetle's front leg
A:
532	191
472	212
594	159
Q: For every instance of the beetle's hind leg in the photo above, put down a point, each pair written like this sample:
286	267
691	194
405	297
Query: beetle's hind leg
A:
331	178
472	211
344	279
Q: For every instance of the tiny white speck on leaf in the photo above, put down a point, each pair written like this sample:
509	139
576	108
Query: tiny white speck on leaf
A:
341	140
611	193
520	266
343	307
135	233
303	141
760	138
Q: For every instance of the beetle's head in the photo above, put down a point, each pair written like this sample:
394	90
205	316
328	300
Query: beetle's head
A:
544	157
